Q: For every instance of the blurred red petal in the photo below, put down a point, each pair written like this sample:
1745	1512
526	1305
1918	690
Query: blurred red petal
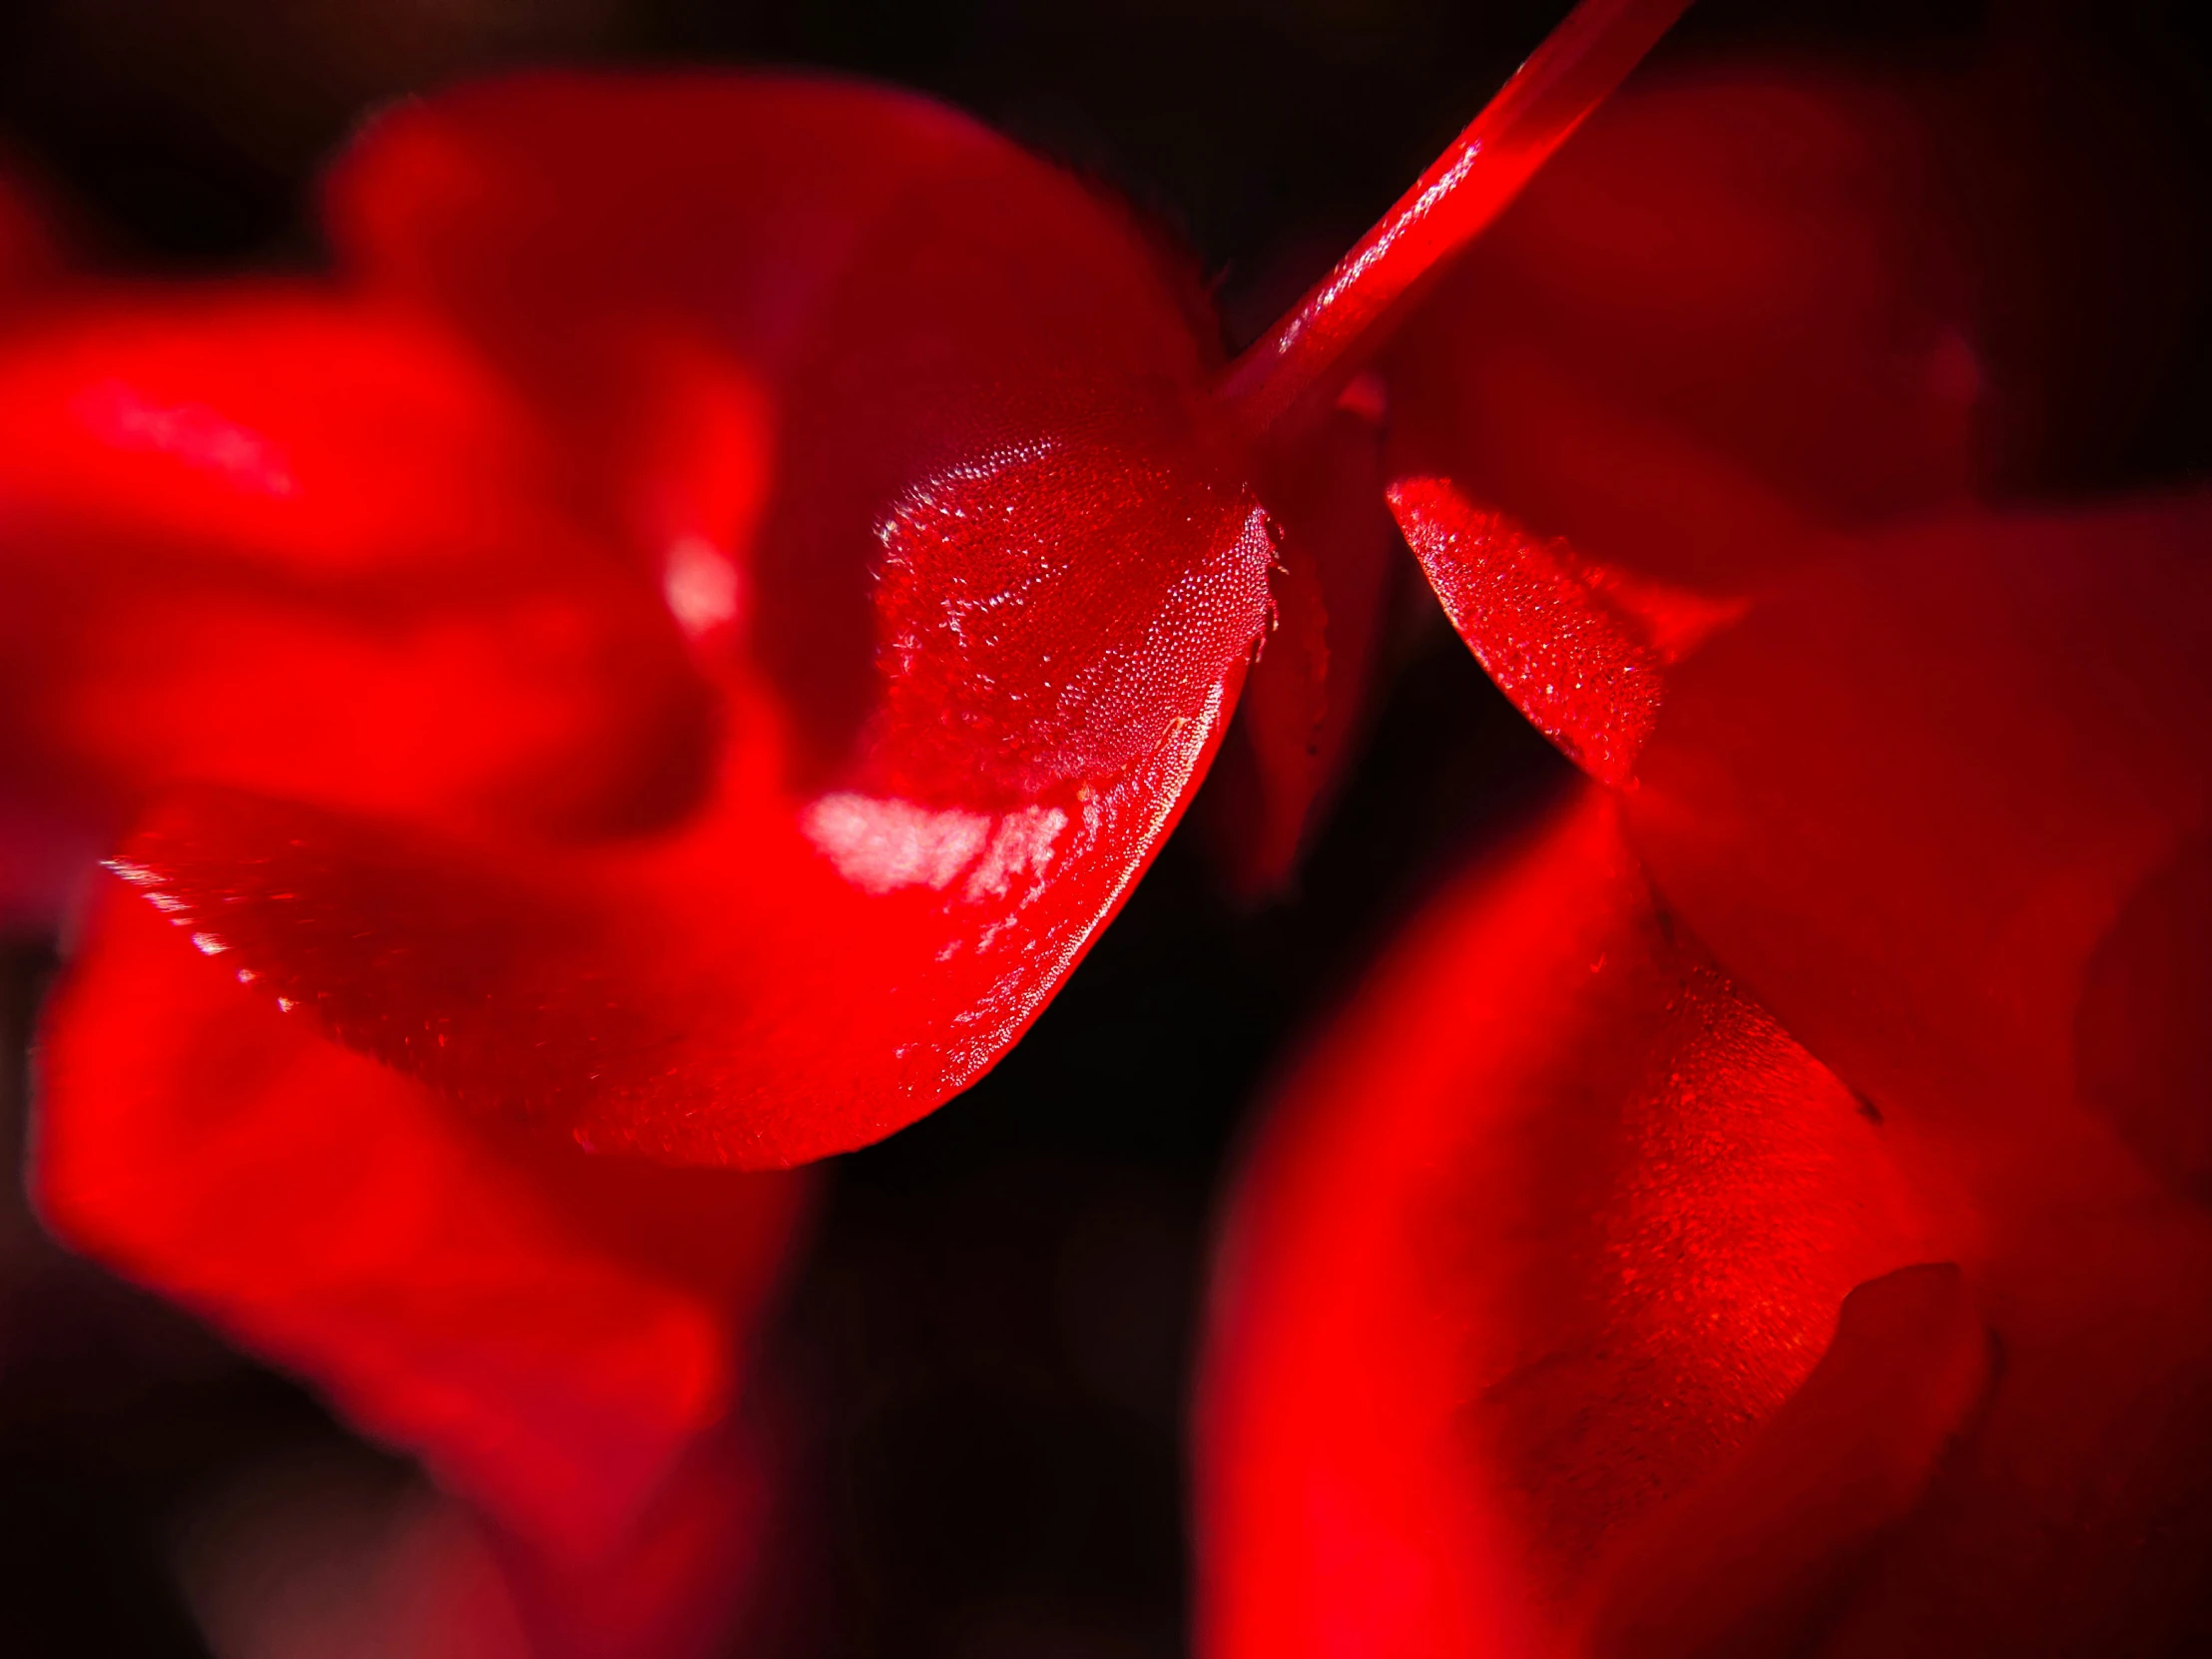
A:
1944	805
549	1333
293	544
1911	799
308	1561
1733	309
29	251
993	618
1549	1226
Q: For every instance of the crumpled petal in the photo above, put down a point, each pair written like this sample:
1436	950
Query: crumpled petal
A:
1552	1222
549	1333
974	656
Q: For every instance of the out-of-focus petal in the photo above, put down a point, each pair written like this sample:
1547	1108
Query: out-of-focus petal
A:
1731	316
1735	303
548	1331
1549	1225
1914	799
994	615
317	1562
1944	806
30	254
316	548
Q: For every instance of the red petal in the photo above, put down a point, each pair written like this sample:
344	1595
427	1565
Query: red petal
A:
977	657
1911	797
318	549
1581	648
1731	310
1309	692
1753	1559
1553	1220
309	1560
548	1331
1945	807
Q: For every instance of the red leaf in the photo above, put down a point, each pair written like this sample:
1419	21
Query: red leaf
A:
548	1331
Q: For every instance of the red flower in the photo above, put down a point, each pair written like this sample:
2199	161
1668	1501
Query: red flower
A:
1537	1325
681	648
973	636
927	451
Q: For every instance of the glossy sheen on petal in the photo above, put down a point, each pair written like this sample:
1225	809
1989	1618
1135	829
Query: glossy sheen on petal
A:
294	544
974	649
1731	312
1552	1222
1581	648
927	304
547	1332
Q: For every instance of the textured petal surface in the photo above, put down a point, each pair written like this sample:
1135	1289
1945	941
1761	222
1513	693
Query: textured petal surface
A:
1549	1225
1944	805
548	1331
1732	315
1555	1221
982	637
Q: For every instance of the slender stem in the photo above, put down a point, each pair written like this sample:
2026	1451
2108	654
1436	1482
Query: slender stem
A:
1353	306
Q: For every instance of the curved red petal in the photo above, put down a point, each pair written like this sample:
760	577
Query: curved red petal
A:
1750	1560
1733	310
1309	689
1549	1224
548	1331
974	657
1912	798
285	542
1581	648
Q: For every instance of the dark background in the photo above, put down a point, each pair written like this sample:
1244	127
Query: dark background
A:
983	1359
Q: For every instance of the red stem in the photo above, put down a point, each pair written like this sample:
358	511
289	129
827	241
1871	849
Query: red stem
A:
1312	349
